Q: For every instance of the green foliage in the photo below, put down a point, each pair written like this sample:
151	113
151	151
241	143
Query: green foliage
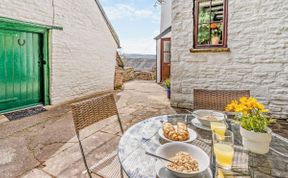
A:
204	16
167	83
256	121
203	29
203	35
216	32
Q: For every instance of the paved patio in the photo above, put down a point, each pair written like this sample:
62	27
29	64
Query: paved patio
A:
45	145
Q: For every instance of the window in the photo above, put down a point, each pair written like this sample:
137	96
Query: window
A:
210	24
167	51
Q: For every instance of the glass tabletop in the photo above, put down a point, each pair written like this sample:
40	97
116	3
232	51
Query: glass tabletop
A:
143	136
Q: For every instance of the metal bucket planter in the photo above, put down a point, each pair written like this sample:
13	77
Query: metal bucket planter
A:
256	142
168	92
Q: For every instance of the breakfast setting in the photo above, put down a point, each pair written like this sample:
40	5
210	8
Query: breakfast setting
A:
203	143
179	157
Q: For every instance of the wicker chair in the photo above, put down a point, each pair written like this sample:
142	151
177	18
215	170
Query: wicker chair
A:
88	112
216	99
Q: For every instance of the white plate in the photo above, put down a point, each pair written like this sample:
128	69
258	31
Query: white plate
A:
199	125
192	135
163	172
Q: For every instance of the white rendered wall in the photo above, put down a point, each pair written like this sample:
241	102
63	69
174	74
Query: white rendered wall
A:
158	52
82	56
165	15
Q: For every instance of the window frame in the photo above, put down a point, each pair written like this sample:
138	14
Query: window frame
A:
166	52
196	24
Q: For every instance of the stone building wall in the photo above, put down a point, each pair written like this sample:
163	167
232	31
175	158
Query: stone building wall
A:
82	55
119	78
258	57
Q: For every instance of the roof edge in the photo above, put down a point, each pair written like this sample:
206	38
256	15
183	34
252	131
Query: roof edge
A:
112	30
167	30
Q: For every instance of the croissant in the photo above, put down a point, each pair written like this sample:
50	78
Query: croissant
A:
169	131
182	132
179	134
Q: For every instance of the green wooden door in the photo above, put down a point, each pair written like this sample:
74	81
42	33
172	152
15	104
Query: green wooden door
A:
20	69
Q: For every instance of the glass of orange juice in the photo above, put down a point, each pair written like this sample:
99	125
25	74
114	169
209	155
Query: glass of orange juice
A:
219	128
224	149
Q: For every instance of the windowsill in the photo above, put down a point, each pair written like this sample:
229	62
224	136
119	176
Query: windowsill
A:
210	50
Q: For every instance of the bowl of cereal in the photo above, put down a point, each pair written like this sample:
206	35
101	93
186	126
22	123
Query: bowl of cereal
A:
208	116
187	160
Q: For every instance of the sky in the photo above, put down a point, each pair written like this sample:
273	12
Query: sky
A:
136	22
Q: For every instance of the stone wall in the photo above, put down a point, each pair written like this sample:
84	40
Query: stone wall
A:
258	57
119	78
82	55
145	75
131	74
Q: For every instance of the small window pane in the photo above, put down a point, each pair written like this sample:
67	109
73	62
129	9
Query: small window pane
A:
216	33
204	15
167	46
167	57
203	34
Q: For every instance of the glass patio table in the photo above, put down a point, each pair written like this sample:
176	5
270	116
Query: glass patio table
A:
143	136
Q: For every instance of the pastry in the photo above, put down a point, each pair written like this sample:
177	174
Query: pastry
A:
170	131
180	133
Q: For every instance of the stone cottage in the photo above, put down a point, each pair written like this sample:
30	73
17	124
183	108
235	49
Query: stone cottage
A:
54	50
230	44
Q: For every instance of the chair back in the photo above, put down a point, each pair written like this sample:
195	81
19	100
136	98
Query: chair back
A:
216	99
88	112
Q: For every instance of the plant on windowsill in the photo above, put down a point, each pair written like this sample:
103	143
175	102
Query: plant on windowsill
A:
203	34
254	122
167	84
216	33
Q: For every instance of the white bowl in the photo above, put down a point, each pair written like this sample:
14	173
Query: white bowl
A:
169	150
192	135
162	172
201	113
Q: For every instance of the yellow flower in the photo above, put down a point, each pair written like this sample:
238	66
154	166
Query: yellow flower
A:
245	113
242	108
232	106
261	107
252	102
245	106
243	100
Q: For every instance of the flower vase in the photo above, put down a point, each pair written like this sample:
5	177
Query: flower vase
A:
215	40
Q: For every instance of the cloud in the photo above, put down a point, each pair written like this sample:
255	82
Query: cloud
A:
125	15
127	11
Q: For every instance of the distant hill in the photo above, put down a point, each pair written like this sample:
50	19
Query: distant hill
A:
140	62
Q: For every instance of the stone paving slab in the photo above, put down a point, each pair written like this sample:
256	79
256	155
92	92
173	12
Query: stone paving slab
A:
65	161
36	173
15	157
